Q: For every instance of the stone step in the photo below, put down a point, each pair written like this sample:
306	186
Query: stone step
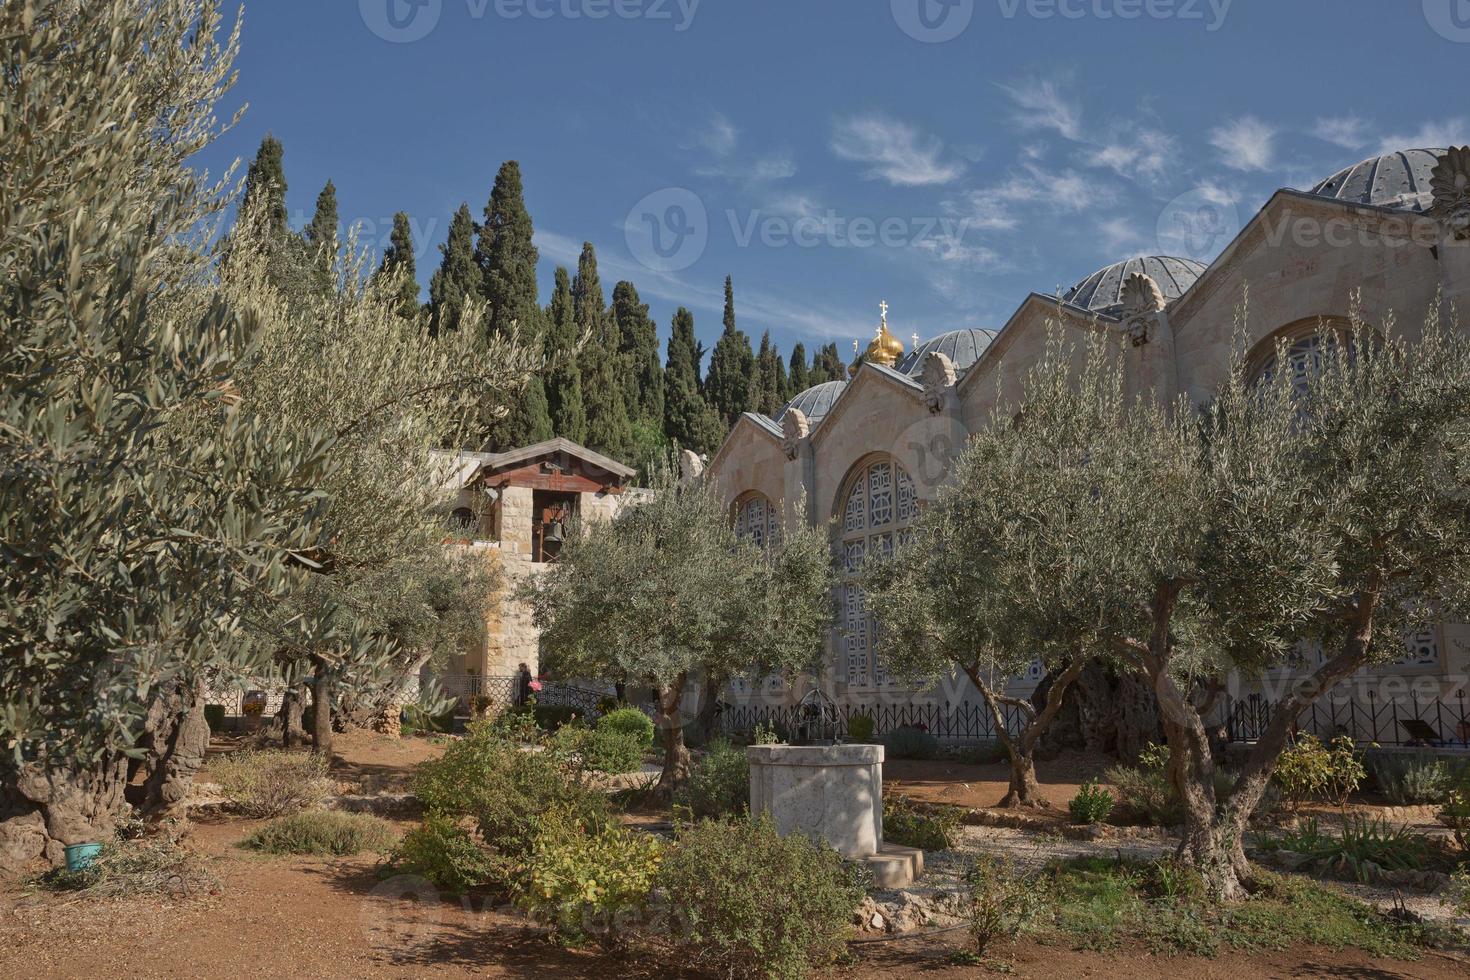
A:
894	866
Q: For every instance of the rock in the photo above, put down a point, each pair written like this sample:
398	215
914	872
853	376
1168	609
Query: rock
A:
22	840
869	916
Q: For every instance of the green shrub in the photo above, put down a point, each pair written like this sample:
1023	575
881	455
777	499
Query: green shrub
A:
272	783
550	717
601	750
587	883
1456	811
1407	778
860	728
1144	791
719	784
984	753
214	716
1311	770
322	832
505	787
1092	804
768	733
629	721
934	829
999	900
911	743
447	855
749	903
1365	841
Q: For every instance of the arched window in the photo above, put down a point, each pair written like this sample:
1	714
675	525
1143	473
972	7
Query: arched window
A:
878	508
757	519
1309	343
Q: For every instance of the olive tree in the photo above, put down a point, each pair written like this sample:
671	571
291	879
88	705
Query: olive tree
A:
142	505
666	591
1202	545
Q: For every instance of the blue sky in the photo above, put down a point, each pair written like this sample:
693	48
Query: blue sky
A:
949	156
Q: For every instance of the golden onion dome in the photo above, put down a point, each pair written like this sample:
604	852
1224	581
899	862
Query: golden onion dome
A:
885	348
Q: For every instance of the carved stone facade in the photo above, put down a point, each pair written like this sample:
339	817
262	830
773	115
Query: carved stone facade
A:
1399	243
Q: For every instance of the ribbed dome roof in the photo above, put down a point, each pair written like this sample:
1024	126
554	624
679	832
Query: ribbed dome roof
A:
815	402
1102	292
963	347
1394	180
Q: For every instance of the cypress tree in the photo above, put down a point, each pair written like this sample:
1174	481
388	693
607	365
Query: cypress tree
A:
265	185
689	421
797	377
783	385
321	234
564	376
608	428
638	344
457	276
527	422
727	387
767	380
827	366
398	261
507	257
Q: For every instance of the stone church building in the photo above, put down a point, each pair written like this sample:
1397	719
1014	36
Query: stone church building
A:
864	455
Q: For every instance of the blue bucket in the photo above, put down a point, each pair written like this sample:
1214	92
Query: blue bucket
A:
79	856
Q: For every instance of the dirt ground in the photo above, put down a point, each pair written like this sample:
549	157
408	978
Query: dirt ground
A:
334	917
960	784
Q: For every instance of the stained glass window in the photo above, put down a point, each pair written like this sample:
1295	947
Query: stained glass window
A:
881	503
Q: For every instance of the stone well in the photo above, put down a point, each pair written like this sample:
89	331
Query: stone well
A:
833	793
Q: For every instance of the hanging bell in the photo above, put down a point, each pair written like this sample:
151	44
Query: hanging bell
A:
555	534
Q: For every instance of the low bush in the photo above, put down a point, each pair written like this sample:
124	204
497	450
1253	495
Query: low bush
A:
719	783
550	717
999	901
983	753
629	721
490	777
1366	842
587	883
860	728
1092	804
932	829
272	783
1144	791
1310	769
1409	778
911	743
601	750
749	903
447	855
1456	811
155	865
322	832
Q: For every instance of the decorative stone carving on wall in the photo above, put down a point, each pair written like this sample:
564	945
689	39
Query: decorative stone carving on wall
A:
1142	299
794	429
691	466
938	378
1450	181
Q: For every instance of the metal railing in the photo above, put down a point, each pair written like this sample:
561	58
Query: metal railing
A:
1369	720
964	721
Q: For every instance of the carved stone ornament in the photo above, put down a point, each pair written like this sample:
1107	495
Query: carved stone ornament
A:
691	466
794	429
1142	298
1450	181
938	379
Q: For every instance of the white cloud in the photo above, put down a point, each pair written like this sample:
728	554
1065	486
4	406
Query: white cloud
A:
1245	143
1119	236
1348	132
896	151
719	136
1146	154
1449	132
1040	104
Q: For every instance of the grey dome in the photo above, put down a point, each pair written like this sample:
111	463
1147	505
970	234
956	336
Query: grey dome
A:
1102	292
963	347
815	402
1395	180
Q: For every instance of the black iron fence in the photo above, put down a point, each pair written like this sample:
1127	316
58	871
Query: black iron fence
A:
1411	720
964	721
503	691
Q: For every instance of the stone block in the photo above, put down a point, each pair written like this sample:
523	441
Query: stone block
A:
833	793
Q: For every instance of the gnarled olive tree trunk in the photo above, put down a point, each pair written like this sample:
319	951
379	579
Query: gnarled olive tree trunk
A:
1021	748
671	723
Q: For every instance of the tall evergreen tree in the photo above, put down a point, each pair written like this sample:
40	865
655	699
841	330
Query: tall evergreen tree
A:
767	380
727	388
398	261
688	421
638	344
321	234
527	423
827	366
563	375
797	377
507	257
457	277
265	185
608	428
